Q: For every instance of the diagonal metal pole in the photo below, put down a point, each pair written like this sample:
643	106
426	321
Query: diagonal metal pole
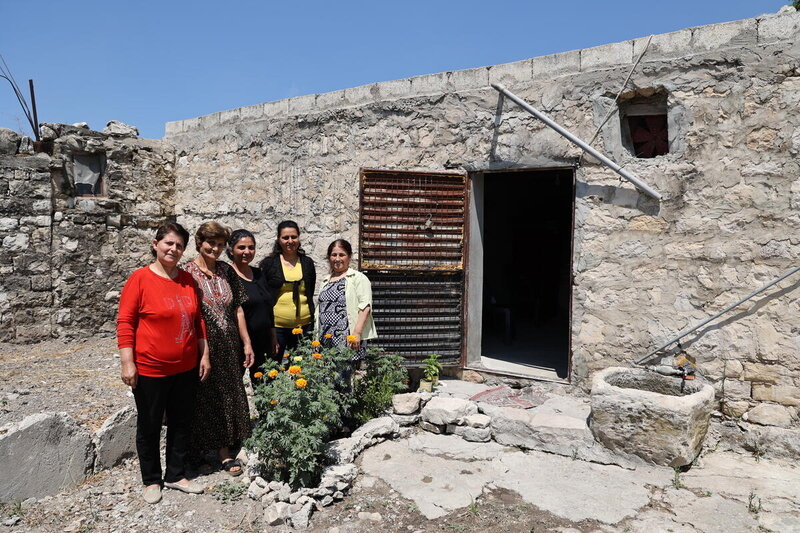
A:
682	334
577	141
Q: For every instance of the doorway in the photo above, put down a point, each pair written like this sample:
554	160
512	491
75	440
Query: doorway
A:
526	232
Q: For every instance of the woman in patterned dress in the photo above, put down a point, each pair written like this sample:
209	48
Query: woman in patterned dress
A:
345	304
222	417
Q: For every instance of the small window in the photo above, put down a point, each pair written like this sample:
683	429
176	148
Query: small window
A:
643	123
88	171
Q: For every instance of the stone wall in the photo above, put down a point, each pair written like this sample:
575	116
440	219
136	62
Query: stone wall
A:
66	256
727	224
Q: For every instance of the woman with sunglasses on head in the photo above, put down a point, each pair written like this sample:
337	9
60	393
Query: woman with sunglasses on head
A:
291	277
222	418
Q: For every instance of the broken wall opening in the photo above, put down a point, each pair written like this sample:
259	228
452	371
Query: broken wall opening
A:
643	123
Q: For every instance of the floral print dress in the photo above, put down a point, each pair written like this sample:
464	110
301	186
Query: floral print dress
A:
333	317
222	417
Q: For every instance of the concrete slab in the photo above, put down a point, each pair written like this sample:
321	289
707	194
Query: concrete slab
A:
713	514
454	447
455	388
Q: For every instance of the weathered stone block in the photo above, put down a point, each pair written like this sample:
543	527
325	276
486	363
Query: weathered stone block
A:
377	427
645	414
512	74
277	514
429	84
116	438
761	373
770	414
406	420
389	90
607	56
546	67
331	100
406	404
301	105
473	434
725	35
42	455
664	45
279	108
778	27
782	394
442	411
470	79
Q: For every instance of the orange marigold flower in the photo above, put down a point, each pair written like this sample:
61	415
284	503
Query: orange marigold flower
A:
297	331
273	402
329	335
317	355
258	375
315	343
273	373
301	383
351	338
294	369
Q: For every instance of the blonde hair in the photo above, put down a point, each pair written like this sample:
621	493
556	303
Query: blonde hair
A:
210	230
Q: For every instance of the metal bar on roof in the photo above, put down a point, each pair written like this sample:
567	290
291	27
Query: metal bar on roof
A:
577	141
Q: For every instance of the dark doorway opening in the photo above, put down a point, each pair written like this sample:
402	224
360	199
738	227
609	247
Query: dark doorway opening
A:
527	268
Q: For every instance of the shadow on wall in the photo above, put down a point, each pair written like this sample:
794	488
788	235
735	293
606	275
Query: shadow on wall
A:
624	197
740	315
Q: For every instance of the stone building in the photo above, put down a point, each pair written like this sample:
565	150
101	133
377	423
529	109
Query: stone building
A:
489	237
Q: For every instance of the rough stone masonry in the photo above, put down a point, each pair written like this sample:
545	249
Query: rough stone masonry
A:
728	222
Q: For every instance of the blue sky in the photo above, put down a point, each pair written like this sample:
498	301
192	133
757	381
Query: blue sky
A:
147	62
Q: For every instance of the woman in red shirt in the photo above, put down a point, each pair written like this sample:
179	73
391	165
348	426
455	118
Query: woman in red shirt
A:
162	346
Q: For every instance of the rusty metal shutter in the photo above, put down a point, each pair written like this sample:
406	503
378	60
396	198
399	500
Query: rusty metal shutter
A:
412	249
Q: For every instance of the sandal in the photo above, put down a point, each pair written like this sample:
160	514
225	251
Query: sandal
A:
229	464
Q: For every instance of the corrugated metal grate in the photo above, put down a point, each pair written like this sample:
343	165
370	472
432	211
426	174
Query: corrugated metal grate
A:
412	249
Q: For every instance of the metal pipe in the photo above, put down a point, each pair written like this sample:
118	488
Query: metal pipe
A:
35	116
578	142
707	320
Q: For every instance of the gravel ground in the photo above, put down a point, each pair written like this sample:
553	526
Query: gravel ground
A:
82	379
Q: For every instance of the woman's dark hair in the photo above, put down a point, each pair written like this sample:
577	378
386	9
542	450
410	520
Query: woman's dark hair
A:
341	243
210	230
236	236
276	249
171	227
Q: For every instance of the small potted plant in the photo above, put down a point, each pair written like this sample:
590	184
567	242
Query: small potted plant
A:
431	372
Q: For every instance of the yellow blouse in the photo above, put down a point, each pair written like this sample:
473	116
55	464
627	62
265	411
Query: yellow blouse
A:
286	315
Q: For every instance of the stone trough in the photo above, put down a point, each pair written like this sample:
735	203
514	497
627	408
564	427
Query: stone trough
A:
637	412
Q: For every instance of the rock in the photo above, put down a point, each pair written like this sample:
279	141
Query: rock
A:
48	132
473	434
284	493
471	376
643	414
275	486
326	501
276	514
374	517
342	486
377	427
13	521
338	495
25	145
433	428
9	141
335	474
82	125
478	421
441	411
557	426
293	497
117	128
116	439
406	404
768	414
255	491
43	454
269	497
345	450
261	482
406	420
783	394
736	408
300	518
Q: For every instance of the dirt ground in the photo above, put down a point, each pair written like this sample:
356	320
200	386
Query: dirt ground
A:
82	379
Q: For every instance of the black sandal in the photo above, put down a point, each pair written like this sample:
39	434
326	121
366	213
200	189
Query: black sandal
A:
228	464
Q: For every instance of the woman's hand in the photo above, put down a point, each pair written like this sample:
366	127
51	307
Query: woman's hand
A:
249	356
354	341
129	374
205	367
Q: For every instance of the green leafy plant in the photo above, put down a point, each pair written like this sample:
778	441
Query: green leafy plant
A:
432	367
753	503
300	408
385	376
228	492
676	480
796	4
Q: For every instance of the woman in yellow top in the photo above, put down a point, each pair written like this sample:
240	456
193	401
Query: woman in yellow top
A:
291	277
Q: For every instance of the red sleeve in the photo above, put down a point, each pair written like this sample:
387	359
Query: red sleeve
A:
128	316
